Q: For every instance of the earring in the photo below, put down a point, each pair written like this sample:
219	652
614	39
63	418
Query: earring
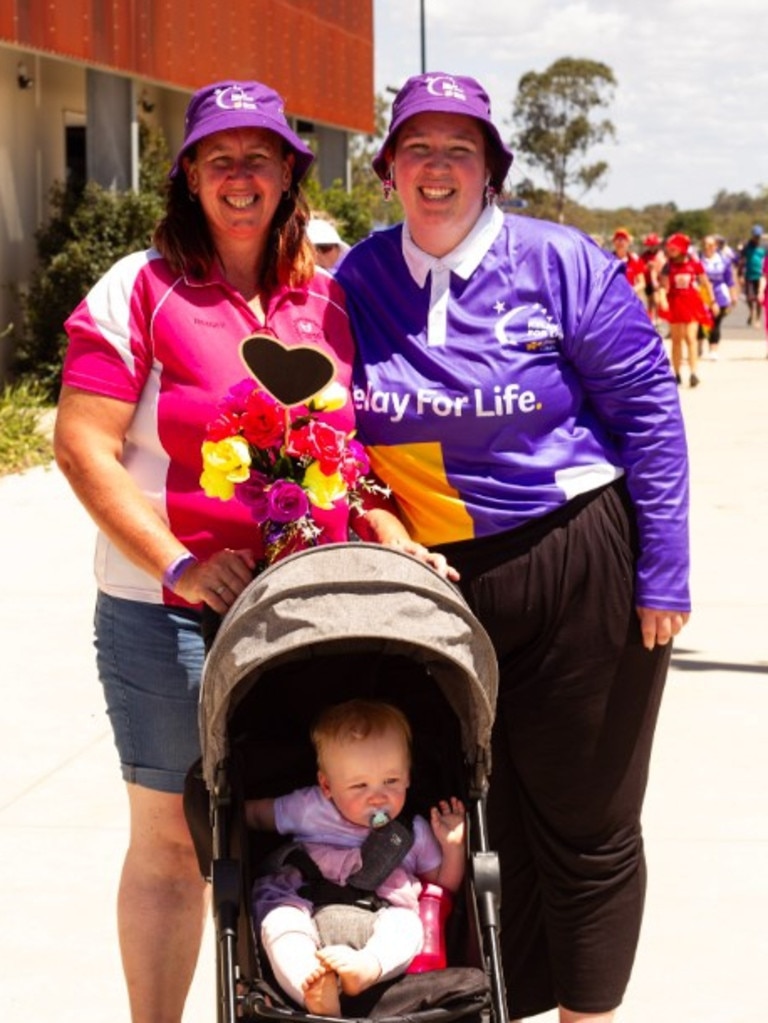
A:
191	196
490	194
387	185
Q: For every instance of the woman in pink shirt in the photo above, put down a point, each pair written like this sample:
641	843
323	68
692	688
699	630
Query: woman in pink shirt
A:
154	348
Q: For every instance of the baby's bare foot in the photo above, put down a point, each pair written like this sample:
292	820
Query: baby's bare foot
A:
357	969
321	992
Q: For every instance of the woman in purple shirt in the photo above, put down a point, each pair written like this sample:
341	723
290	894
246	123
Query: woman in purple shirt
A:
720	274
512	391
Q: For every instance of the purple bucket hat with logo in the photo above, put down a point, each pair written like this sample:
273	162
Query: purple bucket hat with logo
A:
441	93
226	105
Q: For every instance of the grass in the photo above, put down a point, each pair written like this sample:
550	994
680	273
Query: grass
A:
24	439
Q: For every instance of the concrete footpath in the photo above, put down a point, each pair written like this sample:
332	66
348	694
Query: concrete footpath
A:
704	948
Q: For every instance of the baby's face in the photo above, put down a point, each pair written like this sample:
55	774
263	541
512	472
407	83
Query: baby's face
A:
367	777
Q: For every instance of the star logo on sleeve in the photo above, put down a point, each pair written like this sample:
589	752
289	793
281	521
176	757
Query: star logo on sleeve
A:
528	326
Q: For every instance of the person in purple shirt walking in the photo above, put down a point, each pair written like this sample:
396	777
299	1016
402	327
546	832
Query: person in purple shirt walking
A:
719	271
512	391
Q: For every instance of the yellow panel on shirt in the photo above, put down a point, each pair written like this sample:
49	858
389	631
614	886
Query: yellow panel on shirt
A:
431	507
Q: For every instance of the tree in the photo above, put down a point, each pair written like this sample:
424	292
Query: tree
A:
697	224
362	209
365	183
552	111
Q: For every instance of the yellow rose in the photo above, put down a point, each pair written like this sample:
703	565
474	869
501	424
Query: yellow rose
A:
323	490
216	485
225	463
331	398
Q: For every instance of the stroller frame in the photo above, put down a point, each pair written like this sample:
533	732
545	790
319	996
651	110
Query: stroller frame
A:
357	602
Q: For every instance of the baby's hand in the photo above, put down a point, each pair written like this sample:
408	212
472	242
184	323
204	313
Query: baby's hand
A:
448	820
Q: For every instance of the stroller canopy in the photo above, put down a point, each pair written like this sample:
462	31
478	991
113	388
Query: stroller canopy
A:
350	597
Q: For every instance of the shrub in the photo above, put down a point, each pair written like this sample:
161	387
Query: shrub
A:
23	440
88	231
76	248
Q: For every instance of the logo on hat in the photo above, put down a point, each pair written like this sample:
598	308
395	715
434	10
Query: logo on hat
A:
444	85
234	98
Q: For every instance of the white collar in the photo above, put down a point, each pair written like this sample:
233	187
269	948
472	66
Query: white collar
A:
465	258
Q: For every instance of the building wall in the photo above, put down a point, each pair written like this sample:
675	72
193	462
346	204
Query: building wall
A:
32	140
317	53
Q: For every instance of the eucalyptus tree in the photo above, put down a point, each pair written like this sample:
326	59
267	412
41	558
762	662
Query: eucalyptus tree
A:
555	123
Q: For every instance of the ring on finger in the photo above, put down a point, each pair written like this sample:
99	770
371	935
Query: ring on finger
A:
220	589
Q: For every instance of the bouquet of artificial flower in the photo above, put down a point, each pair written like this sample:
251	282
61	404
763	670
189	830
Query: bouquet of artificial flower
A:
282	463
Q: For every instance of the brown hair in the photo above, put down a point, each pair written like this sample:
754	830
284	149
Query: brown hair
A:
183	238
356	720
495	161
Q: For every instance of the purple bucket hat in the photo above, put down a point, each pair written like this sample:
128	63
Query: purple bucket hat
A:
226	105
441	93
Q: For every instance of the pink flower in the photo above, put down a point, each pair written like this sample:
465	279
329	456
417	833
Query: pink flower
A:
287	501
236	399
253	494
354	463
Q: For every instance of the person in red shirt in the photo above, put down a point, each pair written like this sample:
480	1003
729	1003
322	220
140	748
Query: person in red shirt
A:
634	266
682	283
653	259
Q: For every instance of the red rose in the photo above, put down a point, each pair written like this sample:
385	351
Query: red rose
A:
226	425
263	422
319	442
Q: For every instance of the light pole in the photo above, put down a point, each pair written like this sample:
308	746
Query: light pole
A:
423	39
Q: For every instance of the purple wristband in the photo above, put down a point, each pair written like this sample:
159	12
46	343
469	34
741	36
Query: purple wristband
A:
176	569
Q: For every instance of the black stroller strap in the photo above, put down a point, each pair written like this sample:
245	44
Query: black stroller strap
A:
383	850
321	892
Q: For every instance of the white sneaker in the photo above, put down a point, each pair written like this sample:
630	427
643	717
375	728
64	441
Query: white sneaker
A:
713	356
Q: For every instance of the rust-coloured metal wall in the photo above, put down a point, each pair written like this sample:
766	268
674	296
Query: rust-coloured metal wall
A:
317	53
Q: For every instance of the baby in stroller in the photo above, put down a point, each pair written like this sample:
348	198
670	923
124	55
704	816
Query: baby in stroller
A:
320	925
327	625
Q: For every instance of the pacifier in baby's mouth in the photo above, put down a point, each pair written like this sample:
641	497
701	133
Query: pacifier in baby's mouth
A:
379	818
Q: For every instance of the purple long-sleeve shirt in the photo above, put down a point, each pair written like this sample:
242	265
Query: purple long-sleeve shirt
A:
499	382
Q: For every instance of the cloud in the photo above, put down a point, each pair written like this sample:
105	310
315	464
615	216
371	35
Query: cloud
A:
689	107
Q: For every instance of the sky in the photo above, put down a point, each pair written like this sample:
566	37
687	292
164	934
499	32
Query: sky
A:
691	105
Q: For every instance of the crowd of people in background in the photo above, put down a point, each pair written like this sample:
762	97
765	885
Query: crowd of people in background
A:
688	288
692	288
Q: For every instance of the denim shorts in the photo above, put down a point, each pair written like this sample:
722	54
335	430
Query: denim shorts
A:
150	659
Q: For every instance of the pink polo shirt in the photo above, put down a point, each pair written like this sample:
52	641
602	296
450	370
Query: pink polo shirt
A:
170	346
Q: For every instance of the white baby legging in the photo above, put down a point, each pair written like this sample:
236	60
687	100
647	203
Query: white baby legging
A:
290	938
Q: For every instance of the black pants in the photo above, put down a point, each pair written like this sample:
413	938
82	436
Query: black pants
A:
714	334
577	709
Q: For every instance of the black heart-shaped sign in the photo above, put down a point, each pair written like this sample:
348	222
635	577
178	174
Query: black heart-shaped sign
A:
291	375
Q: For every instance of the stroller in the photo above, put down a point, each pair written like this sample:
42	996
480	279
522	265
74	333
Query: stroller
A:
323	626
